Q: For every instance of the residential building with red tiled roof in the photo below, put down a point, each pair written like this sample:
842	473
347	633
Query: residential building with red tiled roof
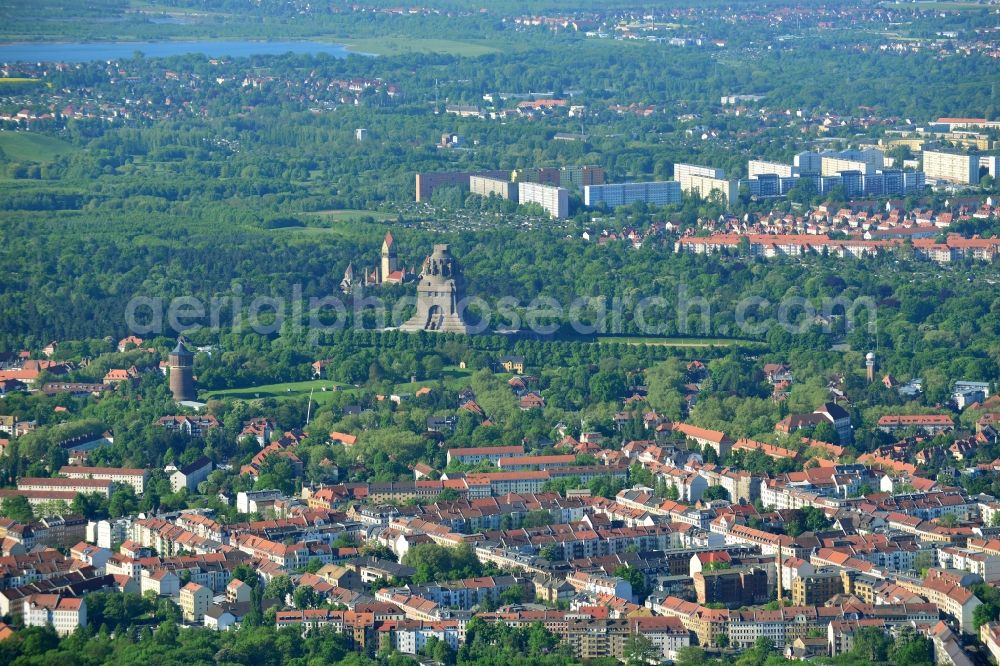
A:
476	455
717	440
135	477
343	438
769	450
76	485
929	423
64	614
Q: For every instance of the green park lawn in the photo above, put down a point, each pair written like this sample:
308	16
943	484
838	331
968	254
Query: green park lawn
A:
351	215
390	46
29	147
454	378
282	391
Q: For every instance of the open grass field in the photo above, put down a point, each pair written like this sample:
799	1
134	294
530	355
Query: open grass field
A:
675	342
350	215
25	146
283	390
454	378
397	45
139	6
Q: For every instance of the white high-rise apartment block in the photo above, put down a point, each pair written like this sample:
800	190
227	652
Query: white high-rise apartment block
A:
555	200
865	161
951	166
762	167
832	162
485	187
682	172
660	193
702	180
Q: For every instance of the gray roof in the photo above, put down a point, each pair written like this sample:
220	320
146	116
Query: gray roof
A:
181	350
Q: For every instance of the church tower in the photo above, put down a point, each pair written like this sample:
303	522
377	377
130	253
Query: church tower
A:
347	284
388	257
181	363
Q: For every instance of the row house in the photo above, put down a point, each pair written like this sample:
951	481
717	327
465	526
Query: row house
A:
714	439
519	463
582	540
64	614
59	531
70	584
690	486
491	454
315	525
169	539
594	638
950	593
411	636
468	592
359	625
469	516
627	515
511	559
39	498
73	485
203	526
928	506
956	248
87	553
984	545
19	570
922	529
769	544
989	634
501	483
597	584
832	557
769	450
783	626
414	607
135	477
976	562
555	621
740	484
213	570
329	592
931	424
372	569
404	491
895	553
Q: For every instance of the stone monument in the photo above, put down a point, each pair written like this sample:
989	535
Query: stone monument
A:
438	294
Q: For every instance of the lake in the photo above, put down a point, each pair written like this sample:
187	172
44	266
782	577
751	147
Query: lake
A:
90	51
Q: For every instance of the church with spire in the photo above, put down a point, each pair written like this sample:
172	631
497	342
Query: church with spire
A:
388	271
